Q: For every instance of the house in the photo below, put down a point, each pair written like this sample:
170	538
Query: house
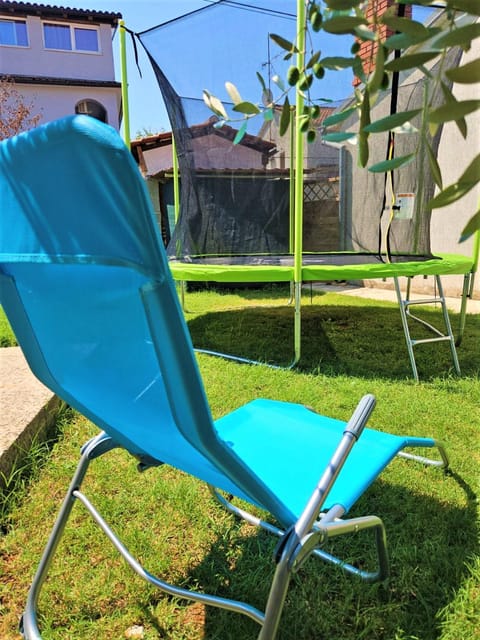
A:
61	59
263	157
215	156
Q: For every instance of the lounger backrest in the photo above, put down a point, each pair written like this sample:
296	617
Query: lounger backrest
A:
87	288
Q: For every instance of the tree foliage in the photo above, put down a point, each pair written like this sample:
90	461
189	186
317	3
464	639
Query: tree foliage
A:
16	114
421	47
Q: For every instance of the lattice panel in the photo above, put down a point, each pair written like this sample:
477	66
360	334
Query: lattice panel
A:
315	191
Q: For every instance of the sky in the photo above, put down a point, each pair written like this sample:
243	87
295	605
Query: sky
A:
147	112
144	97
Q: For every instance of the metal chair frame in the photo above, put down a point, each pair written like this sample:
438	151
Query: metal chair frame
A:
304	539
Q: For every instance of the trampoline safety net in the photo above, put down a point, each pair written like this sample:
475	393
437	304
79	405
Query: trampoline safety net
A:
235	199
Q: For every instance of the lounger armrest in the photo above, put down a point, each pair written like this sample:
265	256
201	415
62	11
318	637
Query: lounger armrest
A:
351	434
361	415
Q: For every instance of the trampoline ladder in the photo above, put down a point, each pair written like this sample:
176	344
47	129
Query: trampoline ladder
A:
406	303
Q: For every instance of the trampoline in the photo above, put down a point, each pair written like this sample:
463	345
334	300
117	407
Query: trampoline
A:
315	267
272	209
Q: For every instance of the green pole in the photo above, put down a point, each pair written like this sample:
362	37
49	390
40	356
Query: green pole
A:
123	67
291	175
299	103
298	231
176	208
476	250
176	181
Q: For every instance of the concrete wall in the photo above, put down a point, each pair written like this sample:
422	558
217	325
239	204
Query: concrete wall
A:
454	155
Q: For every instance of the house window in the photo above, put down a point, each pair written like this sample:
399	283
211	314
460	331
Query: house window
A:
65	37
13	33
92	108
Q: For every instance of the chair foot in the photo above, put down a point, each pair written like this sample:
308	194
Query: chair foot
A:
20	627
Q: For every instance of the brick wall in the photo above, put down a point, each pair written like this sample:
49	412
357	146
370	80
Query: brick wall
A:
368	49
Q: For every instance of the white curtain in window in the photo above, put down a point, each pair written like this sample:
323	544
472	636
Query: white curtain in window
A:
57	36
86	39
13	32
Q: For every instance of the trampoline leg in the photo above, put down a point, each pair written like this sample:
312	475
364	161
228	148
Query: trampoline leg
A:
448	326
466	293
406	330
297	323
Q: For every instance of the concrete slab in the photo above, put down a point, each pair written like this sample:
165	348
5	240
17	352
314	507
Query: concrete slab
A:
453	304
27	409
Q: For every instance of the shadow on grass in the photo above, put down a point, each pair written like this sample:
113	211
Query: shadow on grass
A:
336	340
429	543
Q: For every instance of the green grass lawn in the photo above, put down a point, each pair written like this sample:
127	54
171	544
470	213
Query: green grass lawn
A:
350	347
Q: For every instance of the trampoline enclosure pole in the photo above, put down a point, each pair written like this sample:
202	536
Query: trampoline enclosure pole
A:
123	65
176	181
291	191
298	239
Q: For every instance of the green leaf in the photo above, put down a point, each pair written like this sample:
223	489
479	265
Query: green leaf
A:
285	117
376	78
453	111
394	163
339	136
247	108
466	74
268	114
267	97
262	81
405	40
469	178
240	133
339	117
472	225
405	25
358	70
461	36
470	6
434	166
215	105
284	44
233	93
343	24
411	61
314	59
449	98
363	151
390	122
337	62
364	33
342	5
279	82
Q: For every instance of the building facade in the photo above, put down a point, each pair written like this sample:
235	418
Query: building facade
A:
61	60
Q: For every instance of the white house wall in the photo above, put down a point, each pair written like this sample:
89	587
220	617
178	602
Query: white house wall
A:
35	60
454	155
211	152
55	101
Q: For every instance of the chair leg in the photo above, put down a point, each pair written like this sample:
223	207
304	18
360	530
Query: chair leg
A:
281	580
95	447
